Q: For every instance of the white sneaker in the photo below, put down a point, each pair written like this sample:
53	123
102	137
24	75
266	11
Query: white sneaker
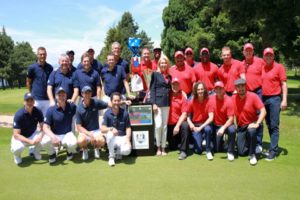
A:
37	155
85	154
230	156
209	156
111	162
203	142
97	153
258	149
17	159
253	160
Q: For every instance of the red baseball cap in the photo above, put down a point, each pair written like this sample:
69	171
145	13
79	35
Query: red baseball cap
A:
175	80
203	50
268	50
189	49
248	46
179	53
219	84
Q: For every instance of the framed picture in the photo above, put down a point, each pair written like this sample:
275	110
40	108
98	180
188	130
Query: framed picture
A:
140	139
140	115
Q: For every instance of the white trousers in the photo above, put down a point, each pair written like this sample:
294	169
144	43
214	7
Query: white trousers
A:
43	105
67	140
117	143
161	125
17	146
96	133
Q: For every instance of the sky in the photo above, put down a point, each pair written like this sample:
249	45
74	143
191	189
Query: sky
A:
61	25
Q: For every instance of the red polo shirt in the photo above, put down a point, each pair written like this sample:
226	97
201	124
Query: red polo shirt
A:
185	76
253	73
200	110
228	74
178	105
207	73
271	79
154	64
148	68
223	109
246	109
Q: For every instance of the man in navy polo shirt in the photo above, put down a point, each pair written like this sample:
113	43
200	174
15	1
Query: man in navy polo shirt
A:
114	78
116	50
116	126
36	81
87	76
96	65
58	126
71	55
87	123
25	129
62	77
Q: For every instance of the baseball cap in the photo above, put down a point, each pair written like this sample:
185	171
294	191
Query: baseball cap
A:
268	50
28	96
219	84
240	81
86	88
189	49
204	50
178	53
60	89
157	47
175	80
70	52
248	46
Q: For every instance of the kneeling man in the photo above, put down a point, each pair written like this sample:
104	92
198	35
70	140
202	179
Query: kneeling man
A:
87	123
25	129
116	126
58	126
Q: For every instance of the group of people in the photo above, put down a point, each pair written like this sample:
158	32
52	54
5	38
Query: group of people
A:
194	103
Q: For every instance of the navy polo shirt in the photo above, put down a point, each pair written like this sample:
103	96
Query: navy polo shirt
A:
96	65
58	79
60	120
73	69
113	80
120	122
39	75
27	122
90	78
124	64
88	116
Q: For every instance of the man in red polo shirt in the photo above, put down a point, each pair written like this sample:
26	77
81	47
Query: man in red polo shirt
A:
202	114
230	71
156	56
223	120
206	71
246	105
189	57
146	68
178	128
253	66
274	90
183	72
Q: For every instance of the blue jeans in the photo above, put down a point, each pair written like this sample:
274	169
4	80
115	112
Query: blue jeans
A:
246	140
198	137
272	105
260	134
231	132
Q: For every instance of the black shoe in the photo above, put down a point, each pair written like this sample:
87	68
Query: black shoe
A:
52	158
271	156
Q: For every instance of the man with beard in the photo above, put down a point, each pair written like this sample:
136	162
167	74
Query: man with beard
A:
156	56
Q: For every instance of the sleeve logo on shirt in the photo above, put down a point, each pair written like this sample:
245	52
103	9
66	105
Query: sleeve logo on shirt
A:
15	123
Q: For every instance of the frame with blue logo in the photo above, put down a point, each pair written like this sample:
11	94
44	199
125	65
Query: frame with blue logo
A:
142	126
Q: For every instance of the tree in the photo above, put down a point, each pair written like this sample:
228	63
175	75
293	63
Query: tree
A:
125	28
6	48
21	57
216	23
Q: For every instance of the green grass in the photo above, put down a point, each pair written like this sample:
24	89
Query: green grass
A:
11	100
155	177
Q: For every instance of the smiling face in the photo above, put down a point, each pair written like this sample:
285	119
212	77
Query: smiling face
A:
111	61
269	58
64	62
226	56
42	56
248	53
241	89
164	65
86	63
